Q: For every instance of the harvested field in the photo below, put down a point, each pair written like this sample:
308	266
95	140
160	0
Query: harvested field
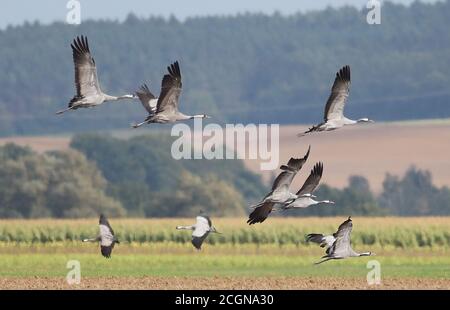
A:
228	283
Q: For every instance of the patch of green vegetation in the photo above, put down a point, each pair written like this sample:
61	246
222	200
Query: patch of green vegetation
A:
201	264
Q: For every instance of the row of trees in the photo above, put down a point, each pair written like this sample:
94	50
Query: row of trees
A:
244	68
149	182
136	178
55	184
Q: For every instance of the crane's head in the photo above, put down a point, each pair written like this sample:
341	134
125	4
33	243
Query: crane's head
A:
214	230
330	202
365	120
128	96
201	116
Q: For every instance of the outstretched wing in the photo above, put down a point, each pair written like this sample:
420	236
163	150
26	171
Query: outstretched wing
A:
312	181
284	179
334	109
106	250
170	90
260	213
86	80
201	231
321	239
342	246
147	99
106	238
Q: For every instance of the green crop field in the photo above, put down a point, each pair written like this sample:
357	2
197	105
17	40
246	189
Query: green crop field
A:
34	253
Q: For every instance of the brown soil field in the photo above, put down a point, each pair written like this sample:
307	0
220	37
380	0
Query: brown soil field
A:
40	143
369	150
233	283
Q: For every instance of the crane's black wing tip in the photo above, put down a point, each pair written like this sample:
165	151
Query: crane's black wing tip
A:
344	74
197	243
307	153
317	169
174	70
255	220
313	237
80	45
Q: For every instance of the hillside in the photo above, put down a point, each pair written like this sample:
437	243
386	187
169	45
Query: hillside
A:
245	68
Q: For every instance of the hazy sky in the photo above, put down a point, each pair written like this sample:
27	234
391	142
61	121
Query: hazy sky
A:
17	11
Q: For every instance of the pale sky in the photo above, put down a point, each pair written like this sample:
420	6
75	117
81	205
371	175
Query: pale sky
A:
46	11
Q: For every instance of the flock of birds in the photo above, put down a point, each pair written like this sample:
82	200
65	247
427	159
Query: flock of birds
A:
164	109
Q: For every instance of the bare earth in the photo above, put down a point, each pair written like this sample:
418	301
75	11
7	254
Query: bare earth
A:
39	144
369	150
233	283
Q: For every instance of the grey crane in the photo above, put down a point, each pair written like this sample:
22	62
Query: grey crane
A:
167	104
89	93
201	230
305	194
338	245
334	109
106	237
280	190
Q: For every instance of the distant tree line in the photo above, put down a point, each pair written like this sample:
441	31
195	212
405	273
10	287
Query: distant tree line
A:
54	184
244	68
137	177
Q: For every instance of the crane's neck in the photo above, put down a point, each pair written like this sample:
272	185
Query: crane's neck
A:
213	230
115	98
364	120
198	116
186	227
326	201
348	121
